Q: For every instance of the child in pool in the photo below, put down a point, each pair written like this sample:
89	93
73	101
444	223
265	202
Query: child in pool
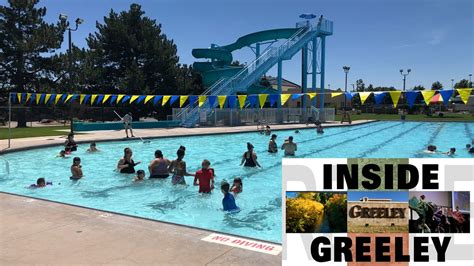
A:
76	169
228	202
204	178
40	183
140	176
237	187
93	148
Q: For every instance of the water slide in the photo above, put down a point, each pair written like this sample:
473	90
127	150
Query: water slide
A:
221	56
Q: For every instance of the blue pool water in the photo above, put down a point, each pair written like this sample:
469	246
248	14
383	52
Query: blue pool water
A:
260	218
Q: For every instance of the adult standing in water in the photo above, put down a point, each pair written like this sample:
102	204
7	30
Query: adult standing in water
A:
289	146
272	146
126	165
178	168
250	157
159	166
127	124
70	144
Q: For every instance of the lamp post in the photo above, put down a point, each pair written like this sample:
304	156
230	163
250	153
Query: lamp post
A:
404	77
470	82
78	21
345	115
452	83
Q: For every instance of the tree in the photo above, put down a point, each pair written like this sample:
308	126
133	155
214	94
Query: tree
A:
360	86
436	86
25	39
419	88
464	83
370	87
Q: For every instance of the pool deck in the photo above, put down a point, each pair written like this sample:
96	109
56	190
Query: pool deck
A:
42	232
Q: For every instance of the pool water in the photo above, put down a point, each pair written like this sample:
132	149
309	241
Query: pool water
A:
260	218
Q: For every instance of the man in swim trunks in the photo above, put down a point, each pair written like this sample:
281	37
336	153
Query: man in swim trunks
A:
204	178
127	120
289	146
76	169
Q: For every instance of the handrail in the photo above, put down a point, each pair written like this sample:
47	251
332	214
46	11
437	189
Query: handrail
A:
7	165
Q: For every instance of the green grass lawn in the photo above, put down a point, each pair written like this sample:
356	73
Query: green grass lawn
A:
447	117
377	229
33	132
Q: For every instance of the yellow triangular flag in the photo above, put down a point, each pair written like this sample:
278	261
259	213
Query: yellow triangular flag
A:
18	95
242	99
38	98
148	98
119	97
427	95
261	99
93	97
58	96
395	96
165	100
182	100
201	100
69	96
311	95
284	98
106	97
81	99
364	95
335	94
48	96
221	99
464	94
28	95
133	98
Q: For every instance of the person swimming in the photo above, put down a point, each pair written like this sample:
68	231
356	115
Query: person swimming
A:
237	186
268	131
93	147
158	167
289	146
40	183
468	146
249	157
451	152
140	176
272	145
126	165
431	149
76	169
62	154
297	131
178	169
319	129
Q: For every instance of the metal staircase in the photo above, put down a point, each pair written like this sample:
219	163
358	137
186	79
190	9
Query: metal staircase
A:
253	71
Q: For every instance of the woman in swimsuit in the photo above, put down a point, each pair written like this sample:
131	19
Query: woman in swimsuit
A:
272	146
159	166
250	157
126	165
178	168
70	144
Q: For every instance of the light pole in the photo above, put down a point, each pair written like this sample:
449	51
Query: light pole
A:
63	19
345	115
353	86
470	82
452	83
404	77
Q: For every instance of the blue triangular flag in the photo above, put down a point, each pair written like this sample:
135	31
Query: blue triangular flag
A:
273	99
231	99
193	99
63	98
173	99
100	98
86	98
411	97
157	98
126	98
446	94
252	99
295	96
141	98
113	99
53	97
212	100
379	96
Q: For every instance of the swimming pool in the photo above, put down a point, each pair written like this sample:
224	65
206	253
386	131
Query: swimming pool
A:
260	218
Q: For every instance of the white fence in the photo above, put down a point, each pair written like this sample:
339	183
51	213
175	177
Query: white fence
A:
254	116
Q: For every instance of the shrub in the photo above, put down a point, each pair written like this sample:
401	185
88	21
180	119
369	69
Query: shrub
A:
336	211
302	215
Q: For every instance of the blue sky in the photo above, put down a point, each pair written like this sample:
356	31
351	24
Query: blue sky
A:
394	196
375	38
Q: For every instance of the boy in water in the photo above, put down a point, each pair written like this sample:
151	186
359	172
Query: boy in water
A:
76	169
92	147
205	178
228	202
40	183
62	154
451	152
140	176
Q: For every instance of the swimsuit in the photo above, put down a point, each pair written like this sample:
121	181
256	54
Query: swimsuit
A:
249	161
160	170
130	169
204	176
274	147
228	203
178	178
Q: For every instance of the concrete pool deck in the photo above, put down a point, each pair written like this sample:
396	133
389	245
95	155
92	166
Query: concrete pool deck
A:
34	231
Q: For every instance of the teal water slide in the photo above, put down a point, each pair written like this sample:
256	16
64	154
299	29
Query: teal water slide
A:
221	56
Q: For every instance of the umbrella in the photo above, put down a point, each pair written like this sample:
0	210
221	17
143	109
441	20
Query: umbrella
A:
437	99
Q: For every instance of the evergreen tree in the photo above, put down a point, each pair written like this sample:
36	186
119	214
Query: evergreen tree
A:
464	83
437	86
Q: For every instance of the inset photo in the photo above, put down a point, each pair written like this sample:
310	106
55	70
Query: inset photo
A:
316	212
439	212
377	212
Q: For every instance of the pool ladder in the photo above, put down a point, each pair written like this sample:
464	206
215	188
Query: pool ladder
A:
7	165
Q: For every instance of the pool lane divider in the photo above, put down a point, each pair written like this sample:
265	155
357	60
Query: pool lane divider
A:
244	243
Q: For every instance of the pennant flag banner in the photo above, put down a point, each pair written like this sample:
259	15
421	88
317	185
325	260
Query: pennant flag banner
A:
211	100
165	100
364	96
113	99
81	98
173	99
201	100
126	98
106	97
348	95
69	96
52	98
58	96
38	99
100	98
94	96
221	100
182	100
28	96
133	98
262	98
296	96
411	97
311	95
120	97
32	99
284	98
148	98
140	99
88	96
464	94
273	99
193	99
446	94
252	100
427	95
379	96
231	100
335	94
395	96
242	99
19	97
157	98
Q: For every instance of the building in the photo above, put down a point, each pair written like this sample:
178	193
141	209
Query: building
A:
377	216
